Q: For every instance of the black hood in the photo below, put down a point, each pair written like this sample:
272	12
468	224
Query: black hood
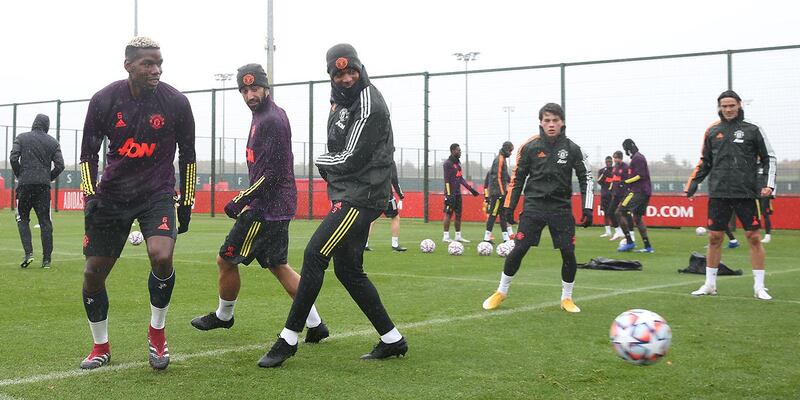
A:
41	123
347	96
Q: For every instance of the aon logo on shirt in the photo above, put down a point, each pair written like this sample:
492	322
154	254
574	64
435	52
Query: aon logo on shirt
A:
136	150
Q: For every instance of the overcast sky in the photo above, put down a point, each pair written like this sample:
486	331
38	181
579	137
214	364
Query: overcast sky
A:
71	49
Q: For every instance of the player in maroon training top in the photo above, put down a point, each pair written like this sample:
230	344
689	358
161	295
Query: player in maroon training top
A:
634	205
453	180
605	177
144	120
263	210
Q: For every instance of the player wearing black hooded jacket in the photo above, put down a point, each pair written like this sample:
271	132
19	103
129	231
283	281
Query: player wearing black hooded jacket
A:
31	158
357	170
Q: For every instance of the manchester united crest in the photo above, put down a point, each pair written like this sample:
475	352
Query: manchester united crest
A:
157	121
562	156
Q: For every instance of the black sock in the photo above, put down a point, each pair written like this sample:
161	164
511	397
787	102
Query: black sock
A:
96	306
646	242
628	237
160	289
569	265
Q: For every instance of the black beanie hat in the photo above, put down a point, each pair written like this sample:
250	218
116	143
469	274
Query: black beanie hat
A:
729	93
341	57
252	74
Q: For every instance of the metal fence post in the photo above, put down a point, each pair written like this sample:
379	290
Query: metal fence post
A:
13	181
310	150
564	88
58	139
425	179
730	69
213	148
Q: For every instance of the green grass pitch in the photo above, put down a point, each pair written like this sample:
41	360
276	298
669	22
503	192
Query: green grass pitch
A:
727	347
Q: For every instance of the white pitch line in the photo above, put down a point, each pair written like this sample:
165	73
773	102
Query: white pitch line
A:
364	332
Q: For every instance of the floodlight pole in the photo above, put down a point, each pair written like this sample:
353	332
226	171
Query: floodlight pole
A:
508	110
466	57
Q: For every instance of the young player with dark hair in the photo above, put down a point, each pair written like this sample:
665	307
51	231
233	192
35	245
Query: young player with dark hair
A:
544	168
495	189
634	205
358	171
263	210
734	150
605	178
144	120
453	180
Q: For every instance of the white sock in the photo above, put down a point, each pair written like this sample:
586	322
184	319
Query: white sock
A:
505	236
758	279
158	316
618	231
313	319
711	277
768	236
566	290
487	235
510	231
608	229
395	241
290	336
225	309
633	237
446	236
99	331
366	244
391	337
505	282
458	235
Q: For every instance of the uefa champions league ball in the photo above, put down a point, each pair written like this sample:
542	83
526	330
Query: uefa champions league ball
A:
455	248
136	238
510	245
503	249
700	231
427	246
485	249
640	337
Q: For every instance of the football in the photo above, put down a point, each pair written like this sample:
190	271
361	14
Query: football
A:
640	337
136	238
455	248
700	231
503	249
485	249
427	246
510	244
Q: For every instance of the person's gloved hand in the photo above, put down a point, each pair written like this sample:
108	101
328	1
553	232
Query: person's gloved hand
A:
184	216
473	191
586	218
232	209
90	203
692	189
509	213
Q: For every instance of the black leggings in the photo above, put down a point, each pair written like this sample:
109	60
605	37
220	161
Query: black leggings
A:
340	236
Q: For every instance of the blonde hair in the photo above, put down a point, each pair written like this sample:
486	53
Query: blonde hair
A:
137	43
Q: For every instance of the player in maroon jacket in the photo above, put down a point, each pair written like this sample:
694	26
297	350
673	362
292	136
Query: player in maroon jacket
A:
145	120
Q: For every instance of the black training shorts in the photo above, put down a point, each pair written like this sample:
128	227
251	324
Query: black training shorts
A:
720	211
253	238
392	210
107	223
635	203
560	223
452	204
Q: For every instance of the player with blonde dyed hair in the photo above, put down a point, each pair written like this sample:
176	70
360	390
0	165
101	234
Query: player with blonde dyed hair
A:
144	120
